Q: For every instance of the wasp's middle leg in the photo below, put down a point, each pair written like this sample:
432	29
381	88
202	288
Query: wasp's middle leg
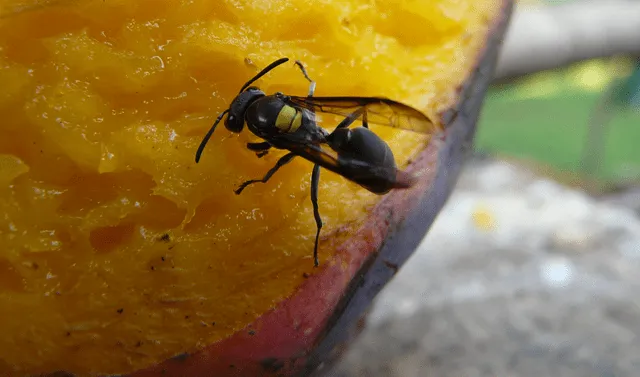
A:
315	179
281	162
261	149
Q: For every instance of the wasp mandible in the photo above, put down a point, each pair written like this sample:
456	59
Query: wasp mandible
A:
289	123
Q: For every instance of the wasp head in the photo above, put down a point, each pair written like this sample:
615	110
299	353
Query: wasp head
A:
239	106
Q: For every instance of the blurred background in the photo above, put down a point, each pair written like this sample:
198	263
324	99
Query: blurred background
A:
533	267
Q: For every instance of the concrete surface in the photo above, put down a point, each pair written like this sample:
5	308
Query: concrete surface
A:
519	277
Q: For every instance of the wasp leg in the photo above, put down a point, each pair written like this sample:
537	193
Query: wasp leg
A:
315	179
261	149
281	162
312	84
365	121
346	122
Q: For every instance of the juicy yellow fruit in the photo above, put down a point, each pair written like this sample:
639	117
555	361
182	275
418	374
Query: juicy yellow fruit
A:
116	249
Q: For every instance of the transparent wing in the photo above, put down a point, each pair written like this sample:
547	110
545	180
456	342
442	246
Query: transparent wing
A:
381	111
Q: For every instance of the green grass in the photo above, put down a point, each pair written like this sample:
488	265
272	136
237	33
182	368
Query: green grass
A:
552	130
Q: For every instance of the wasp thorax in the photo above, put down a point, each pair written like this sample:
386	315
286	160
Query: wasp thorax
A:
235	119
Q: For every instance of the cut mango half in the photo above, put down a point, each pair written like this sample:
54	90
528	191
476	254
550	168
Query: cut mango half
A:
117	250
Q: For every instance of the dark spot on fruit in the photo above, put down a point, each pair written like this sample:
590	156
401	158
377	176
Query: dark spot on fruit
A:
68	333
138	344
186	317
305	275
35	266
271	364
213	323
120	310
181	357
109	238
251	332
153	268
163	259
165	237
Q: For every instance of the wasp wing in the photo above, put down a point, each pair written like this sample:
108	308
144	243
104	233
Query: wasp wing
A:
381	111
357	171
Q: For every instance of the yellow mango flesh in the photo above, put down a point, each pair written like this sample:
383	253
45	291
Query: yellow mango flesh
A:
118	251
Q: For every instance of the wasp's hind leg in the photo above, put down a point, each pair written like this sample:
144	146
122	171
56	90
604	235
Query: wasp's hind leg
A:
261	149
312	84
315	179
365	121
346	122
281	162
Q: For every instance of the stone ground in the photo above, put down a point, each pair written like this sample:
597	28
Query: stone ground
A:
518	277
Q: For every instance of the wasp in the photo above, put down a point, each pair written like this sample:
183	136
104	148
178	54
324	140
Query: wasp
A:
289	123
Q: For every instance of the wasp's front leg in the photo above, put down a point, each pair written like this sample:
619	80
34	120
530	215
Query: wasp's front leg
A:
281	162
312	84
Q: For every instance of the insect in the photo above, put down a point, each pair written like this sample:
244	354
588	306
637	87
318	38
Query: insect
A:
289	123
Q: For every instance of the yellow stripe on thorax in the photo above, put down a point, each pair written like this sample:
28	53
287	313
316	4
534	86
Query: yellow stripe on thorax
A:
289	119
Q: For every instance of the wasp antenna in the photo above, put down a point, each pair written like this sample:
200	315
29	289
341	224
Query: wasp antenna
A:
264	72
208	135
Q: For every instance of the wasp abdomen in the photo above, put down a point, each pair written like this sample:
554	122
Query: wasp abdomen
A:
364	145
361	144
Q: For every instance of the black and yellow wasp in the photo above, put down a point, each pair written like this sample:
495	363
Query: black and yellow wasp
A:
289	123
